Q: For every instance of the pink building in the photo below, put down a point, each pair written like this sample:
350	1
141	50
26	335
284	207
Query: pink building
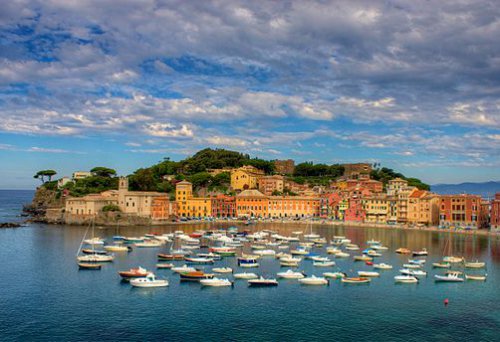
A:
355	212
495	213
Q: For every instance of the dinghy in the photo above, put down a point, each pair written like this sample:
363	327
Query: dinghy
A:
313	280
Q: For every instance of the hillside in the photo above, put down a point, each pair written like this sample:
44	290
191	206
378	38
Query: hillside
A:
486	189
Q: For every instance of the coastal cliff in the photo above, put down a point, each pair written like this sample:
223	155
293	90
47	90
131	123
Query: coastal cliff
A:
46	206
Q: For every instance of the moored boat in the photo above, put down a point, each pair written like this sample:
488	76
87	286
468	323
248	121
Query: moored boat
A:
183	269
452	277
289	274
117	248
149	281
93	251
476	277
216	282
362	258
334	275
382	266
324	263
136	272
199	260
195	276
368	274
475	264
355	280
164	265
403	250
411	272
89	266
222	270
313	280
406	279
245	275
422	252
95	258
170	256
441	265
262	282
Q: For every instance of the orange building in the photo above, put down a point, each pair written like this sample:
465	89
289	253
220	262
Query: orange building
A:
495	213
293	206
162	208
423	208
251	203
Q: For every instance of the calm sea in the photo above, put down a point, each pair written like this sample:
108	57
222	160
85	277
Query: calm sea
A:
44	297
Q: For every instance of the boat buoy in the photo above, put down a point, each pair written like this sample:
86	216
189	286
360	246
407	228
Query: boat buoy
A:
446	301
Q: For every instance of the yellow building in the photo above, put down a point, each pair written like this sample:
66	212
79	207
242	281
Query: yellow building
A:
189	206
245	177
293	206
423	208
394	186
377	208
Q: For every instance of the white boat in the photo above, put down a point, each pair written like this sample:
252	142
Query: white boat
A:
382	266
117	248
453	259
373	253
335	275
453	277
406	279
407	271
164	265
422	252
311	236
222	270
476	277
358	280
368	274
332	250
199	260
324	263
94	241
289	274
412	266
184	268
95	258
265	252
373	242
416	261
245	275
352	247
149	281
148	244
476	264
342	255
313	280
299	251
441	265
379	248
216	282
319	258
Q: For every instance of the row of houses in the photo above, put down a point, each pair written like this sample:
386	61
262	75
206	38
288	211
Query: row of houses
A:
362	200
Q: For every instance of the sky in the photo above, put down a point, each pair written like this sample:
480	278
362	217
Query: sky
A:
413	85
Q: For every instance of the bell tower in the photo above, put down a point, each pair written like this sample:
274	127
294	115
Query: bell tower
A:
123	184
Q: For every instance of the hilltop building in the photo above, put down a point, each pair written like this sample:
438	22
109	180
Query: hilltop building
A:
270	184
245	177
357	171
81	175
284	167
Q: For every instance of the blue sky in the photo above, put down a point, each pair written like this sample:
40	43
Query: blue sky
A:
412	85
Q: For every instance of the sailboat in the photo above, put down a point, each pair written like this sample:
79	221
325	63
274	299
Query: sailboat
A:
92	257
450	258
311	235
474	264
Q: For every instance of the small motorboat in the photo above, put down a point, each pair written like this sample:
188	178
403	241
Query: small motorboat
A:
441	265
476	264
416	261
289	263
164	265
299	251
216	282
453	259
369	263
356	280
334	275
137	272
403	250
324	263
382	266
223	251
452	277
368	274
412	266
379	248
411	272
93	251
195	276
149	281
289	274
222	270
313	280
373	253
265	252
94	241
406	279
342	255
117	248
352	247
170	256
148	244
373	242
422	252
362	258
248	262
476	277
332	250
318	258
183	269
95	258
89	266
245	275
199	260
262	282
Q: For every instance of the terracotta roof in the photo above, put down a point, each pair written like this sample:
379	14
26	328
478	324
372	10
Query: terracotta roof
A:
251	193
418	193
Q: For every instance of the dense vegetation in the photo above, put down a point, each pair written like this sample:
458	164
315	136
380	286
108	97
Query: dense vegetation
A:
385	174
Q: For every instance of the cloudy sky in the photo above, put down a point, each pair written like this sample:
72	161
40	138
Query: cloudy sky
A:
414	85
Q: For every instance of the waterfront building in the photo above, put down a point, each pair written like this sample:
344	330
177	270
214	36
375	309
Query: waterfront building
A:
252	203
81	175
135	202
354	211
423	208
284	167
223	206
90	205
245	177
377	208
402	196
394	186
460	211
188	205
293	206
495	213
162	209
270	184
357	170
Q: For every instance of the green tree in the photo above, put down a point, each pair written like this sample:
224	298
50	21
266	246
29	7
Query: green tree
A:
102	171
45	173
110	207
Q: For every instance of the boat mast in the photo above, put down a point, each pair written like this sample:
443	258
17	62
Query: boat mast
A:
81	243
